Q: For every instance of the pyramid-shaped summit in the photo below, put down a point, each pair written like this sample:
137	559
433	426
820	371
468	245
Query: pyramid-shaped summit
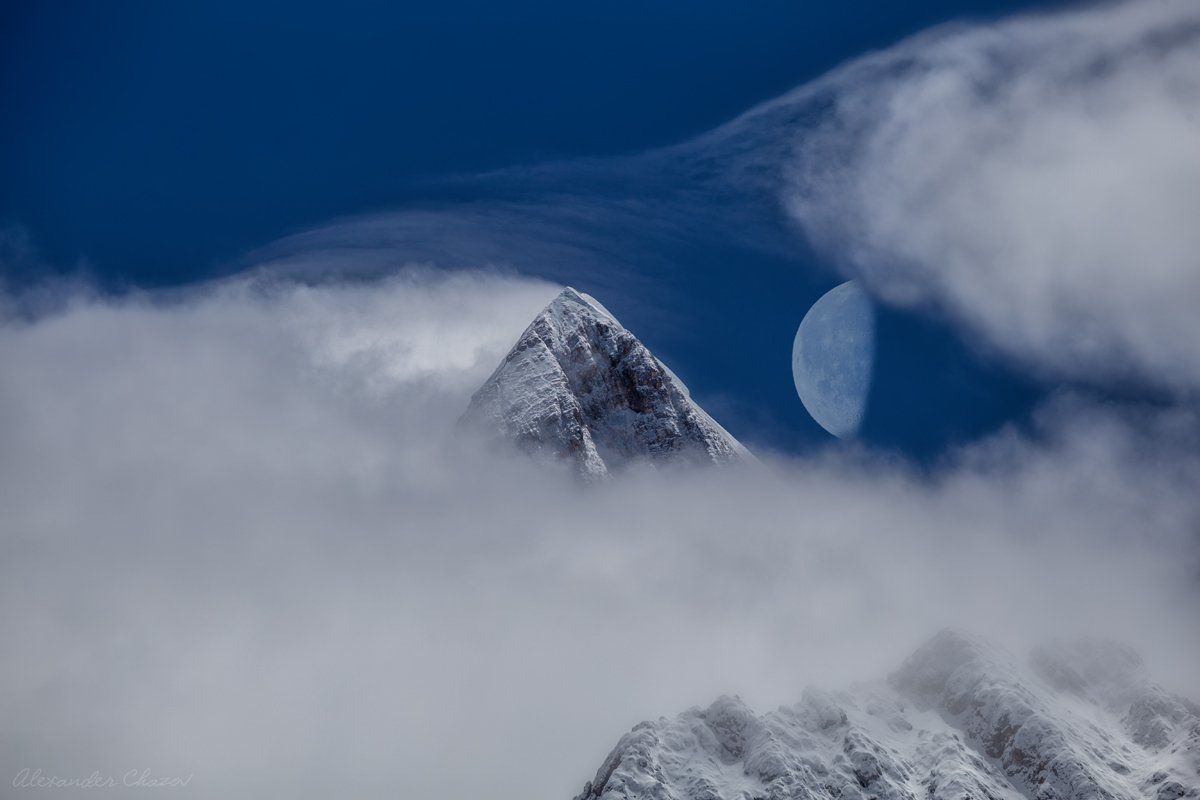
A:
579	387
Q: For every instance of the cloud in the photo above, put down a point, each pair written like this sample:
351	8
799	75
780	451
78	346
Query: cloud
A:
244	542
1036	178
1033	179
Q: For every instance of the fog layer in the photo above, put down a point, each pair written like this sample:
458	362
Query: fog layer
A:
242	541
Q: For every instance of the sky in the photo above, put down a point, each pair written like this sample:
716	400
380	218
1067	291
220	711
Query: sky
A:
253	263
154	145
161	141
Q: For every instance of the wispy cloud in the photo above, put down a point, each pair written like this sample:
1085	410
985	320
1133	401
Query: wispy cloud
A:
1035	179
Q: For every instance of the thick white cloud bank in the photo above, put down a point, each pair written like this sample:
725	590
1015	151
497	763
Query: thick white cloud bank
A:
243	543
1038	179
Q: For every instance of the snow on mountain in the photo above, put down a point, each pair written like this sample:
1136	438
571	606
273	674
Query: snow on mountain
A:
578	386
960	720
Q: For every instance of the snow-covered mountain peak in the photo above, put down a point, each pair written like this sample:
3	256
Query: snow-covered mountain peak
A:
571	301
578	386
953	660
960	720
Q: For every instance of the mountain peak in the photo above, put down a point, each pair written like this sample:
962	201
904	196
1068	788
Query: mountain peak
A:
950	657
571	295
577	386
960	719
571	303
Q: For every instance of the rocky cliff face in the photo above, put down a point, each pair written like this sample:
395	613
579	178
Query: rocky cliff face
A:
579	387
960	720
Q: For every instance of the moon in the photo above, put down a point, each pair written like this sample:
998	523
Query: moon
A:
833	357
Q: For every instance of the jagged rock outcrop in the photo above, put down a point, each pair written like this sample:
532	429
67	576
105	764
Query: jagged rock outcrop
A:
960	720
579	387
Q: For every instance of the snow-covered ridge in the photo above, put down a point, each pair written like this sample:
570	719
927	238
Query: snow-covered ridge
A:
960	720
578	386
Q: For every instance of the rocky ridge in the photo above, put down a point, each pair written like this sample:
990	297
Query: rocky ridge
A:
960	720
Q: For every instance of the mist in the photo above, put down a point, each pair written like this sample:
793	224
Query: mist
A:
245	541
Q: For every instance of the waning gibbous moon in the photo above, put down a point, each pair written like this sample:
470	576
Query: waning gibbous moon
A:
833	357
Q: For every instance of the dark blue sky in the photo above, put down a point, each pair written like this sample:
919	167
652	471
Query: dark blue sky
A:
160	141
